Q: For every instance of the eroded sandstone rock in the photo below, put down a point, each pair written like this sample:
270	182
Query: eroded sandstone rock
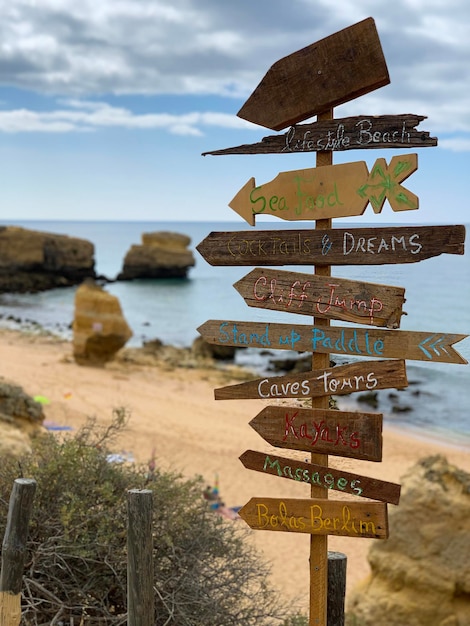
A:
421	574
99	326
33	261
20	419
161	255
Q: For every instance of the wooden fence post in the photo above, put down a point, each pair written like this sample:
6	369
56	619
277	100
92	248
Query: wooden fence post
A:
14	549
140	596
336	588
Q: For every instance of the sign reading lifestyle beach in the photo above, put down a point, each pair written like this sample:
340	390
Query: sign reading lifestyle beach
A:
311	82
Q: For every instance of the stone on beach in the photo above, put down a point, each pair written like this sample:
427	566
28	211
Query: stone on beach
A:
99	326
20	419
161	255
33	261
420	575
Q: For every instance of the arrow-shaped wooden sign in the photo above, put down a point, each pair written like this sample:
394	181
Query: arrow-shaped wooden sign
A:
339	380
317	517
351	434
321	476
389	344
331	71
324	297
333	246
330	191
348	133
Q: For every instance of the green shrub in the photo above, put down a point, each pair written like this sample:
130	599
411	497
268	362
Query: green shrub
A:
205	573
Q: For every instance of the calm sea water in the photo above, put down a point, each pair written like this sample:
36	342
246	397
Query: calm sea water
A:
437	300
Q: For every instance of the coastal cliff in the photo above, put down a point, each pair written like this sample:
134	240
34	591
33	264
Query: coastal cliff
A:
161	255
32	261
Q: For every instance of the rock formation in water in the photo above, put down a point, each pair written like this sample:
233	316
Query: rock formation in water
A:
99	326
20	419
33	261
161	255
421	574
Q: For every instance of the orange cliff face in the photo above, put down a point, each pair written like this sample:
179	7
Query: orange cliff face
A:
33	261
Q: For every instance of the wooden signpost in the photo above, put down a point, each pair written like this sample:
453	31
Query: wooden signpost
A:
327	73
322	476
323	297
311	82
339	380
317	517
351	434
339	246
352	341
349	133
330	191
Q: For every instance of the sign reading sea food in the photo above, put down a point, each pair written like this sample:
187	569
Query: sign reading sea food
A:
338	246
339	380
364	132
324	297
342	190
391	344
317	517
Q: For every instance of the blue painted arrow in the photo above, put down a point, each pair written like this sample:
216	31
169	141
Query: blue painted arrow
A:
433	345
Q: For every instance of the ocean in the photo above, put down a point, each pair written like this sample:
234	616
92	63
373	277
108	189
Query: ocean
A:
435	405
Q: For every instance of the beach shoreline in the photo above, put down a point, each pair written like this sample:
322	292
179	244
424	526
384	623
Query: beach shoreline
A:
173	411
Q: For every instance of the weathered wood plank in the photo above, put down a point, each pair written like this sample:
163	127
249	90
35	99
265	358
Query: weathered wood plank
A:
336	69
351	341
323	297
341	134
339	380
352	434
335	246
325	477
342	190
317	517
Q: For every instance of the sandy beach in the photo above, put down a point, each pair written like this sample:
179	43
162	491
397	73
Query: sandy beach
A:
174	412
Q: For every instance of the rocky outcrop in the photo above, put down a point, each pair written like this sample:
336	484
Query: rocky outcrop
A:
99	327
202	349
161	255
20	419
421	574
33	261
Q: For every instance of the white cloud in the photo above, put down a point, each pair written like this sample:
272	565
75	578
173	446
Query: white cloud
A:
91	49
91	116
456	144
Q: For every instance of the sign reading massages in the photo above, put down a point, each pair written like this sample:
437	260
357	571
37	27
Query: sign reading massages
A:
309	82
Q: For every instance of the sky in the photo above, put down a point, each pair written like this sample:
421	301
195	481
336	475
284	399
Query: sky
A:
106	106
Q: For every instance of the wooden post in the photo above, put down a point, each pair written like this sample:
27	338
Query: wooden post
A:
336	588
319	544
14	549
140	597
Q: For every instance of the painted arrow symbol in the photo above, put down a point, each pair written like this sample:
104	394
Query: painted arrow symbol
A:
342	190
434	343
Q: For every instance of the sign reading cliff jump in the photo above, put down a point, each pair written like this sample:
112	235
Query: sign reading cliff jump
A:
311	82
337	298
332	191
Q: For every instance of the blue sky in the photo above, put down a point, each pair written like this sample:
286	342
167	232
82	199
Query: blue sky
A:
106	107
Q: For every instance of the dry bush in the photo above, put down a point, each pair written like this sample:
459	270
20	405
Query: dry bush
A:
204	572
